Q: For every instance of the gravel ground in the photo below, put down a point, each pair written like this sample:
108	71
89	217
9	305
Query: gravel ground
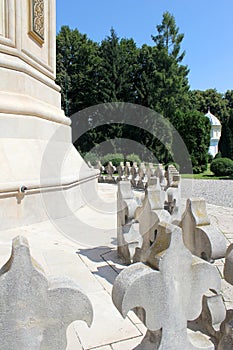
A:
217	192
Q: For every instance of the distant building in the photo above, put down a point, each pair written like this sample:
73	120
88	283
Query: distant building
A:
215	133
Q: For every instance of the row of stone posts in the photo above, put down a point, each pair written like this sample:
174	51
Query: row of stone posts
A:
139	176
177	296
171	283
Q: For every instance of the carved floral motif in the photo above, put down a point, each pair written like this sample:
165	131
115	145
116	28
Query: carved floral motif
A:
38	17
37	20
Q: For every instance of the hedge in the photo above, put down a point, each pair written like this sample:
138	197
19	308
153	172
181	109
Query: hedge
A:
222	167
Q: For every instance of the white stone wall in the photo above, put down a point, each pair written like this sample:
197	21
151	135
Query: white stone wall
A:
30	116
2	17
28	67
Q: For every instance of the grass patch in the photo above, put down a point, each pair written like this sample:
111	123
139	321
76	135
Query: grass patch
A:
206	175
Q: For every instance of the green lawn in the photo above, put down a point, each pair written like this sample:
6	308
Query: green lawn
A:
206	175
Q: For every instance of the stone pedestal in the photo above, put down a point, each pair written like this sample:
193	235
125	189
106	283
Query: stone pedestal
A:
36	152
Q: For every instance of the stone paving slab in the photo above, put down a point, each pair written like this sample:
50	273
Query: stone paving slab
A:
73	342
106	275
72	267
108	325
222	217
126	345
58	256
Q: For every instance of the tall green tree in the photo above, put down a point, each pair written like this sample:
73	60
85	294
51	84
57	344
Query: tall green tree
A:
195	132
221	106
77	69
117	69
226	142
116	76
210	98
228	97
146	81
171	75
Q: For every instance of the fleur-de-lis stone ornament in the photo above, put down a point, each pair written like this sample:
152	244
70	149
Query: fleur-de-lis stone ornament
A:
228	267
149	216
35	313
170	295
226	341
127	236
200	236
110	169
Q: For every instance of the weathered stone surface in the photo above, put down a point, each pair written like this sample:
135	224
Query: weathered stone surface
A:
174	204
140	183
228	267
212	315
170	295
172	176
127	236
126	202
226	341
174	194
35	313
149	216
110	169
121	171
155	194
131	239
127	170
134	173
200	237
100	167
150	170
90	165
162	242
160	173
140	176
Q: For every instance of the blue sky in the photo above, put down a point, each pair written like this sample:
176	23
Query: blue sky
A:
207	25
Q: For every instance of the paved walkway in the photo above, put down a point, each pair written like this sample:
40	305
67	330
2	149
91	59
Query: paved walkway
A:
218	192
84	248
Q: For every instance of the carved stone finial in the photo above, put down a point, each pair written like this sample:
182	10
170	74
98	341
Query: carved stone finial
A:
169	296
200	237
35	313
226	341
149	216
128	237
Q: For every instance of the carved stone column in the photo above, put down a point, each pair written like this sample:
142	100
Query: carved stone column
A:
34	132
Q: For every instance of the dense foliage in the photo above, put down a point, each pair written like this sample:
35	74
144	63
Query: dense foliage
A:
222	167
116	70
133	158
197	141
221	105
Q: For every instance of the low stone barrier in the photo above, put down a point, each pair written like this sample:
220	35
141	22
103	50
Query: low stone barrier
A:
169	296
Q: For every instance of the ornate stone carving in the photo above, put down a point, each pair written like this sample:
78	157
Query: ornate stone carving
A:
35	312
37	20
170	294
